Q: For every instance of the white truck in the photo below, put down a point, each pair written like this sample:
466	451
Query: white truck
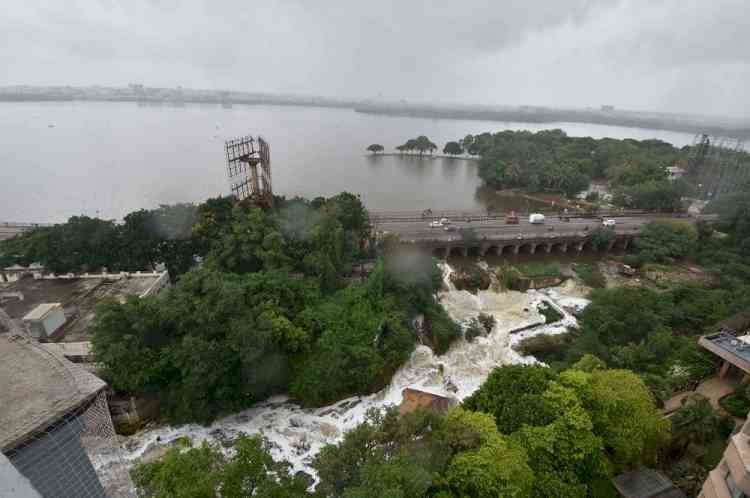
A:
536	219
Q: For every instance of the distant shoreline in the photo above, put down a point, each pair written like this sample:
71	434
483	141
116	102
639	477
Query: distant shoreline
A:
544	116
424	156
178	97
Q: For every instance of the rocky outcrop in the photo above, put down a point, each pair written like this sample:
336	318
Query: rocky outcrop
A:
414	399
471	279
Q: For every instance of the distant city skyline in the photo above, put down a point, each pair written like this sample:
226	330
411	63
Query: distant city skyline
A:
131	86
666	56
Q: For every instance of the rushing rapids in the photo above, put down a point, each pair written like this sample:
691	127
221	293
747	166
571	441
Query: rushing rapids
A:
296	434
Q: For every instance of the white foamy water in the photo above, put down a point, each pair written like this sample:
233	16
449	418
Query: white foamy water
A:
297	434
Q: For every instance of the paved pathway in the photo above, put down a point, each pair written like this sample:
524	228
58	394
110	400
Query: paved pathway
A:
714	389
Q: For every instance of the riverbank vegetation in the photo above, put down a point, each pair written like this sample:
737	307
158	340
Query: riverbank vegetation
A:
566	430
549	160
654	331
527	432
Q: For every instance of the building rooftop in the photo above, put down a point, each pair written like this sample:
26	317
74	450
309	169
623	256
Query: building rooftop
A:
40	387
41	311
78	297
646	483
734	349
69	349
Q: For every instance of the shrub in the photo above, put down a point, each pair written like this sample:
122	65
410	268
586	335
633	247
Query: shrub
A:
440	329
538	270
736	404
591	275
551	315
508	276
487	321
473	330
546	348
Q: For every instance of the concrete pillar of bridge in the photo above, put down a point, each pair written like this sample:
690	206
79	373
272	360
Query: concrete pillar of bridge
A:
532	248
548	247
626	243
724	369
564	247
499	250
611	244
464	251
483	248
515	249
579	246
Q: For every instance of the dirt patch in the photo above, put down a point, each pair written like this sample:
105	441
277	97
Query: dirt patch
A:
655	276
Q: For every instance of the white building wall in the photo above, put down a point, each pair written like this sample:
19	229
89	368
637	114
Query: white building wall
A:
13	483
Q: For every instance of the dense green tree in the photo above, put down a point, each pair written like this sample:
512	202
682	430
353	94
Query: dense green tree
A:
662	195
81	244
407	452
420	144
180	474
624	414
362	339
424	144
486	464
216	342
662	241
204	472
375	148
251	242
734	214
252	472
566	455
348	209
550	160
213	219
467	142
453	148
512	394
629	173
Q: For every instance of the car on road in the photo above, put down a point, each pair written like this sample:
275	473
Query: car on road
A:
435	224
450	228
609	223
445	221
536	218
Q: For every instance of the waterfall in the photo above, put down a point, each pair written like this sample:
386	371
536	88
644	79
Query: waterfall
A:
296	434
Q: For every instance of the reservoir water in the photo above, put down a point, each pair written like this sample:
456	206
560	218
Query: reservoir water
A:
59	159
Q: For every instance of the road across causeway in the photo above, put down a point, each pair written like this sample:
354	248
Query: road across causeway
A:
484	227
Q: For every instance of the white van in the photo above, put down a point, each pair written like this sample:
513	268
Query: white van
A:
536	218
610	223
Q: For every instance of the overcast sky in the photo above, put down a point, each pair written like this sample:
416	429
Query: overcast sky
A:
665	55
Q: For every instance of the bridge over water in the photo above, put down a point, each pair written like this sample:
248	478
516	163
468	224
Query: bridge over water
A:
478	233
